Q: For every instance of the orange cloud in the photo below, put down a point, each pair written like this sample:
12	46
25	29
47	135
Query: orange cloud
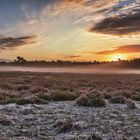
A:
89	3
122	49
72	56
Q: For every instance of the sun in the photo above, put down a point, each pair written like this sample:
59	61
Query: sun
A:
116	57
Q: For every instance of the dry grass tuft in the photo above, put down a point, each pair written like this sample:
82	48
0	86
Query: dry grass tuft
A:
64	126
63	96
117	100
91	99
94	137
24	100
6	121
131	104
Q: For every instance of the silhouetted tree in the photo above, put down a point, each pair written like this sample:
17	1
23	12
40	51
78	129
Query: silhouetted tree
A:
20	59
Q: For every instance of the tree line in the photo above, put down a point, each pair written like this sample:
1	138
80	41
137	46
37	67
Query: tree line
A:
21	61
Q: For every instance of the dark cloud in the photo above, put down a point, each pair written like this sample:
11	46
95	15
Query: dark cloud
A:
72	56
119	25
14	42
122	49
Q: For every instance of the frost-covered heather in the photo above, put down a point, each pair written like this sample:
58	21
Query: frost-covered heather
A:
67	121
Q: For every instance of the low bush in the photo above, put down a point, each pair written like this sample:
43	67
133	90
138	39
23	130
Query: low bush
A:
94	137
5	120
44	96
136	97
83	100
64	126
131	104
107	96
19	101
23	87
37	89
8	101
23	100
92	99
64	96
117	100
30	100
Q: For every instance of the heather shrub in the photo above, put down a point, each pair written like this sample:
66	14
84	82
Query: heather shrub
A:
83	100
44	96
4	94
30	100
23	100
8	101
94	136
91	99
64	126
117	100
107	95
37	89
97	100
130	104
6	86
5	120
22	87
136	97
64	96
19	101
120	92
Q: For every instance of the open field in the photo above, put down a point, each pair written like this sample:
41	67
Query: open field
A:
55	86
49	106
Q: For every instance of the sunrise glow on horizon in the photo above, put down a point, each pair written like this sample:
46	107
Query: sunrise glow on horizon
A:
74	30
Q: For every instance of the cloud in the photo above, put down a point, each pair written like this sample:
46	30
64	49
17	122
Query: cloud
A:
122	19
72	56
83	12
15	42
121	25
93	5
122	49
89	2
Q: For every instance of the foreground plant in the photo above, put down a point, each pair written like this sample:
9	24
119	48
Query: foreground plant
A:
92	99
5	120
136	97
117	100
64	96
131	104
24	100
94	137
64	126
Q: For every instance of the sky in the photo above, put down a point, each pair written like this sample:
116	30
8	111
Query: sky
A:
75	30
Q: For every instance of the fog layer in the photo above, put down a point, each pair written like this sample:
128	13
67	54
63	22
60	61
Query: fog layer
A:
86	69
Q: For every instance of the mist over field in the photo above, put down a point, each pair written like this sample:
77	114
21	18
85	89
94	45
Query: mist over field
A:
76	69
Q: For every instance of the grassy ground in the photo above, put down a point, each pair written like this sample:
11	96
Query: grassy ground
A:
75	106
38	88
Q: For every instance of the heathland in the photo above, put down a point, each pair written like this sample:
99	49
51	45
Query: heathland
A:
66	106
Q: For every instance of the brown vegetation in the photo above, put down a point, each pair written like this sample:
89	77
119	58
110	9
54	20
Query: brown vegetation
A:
91	100
86	89
118	100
